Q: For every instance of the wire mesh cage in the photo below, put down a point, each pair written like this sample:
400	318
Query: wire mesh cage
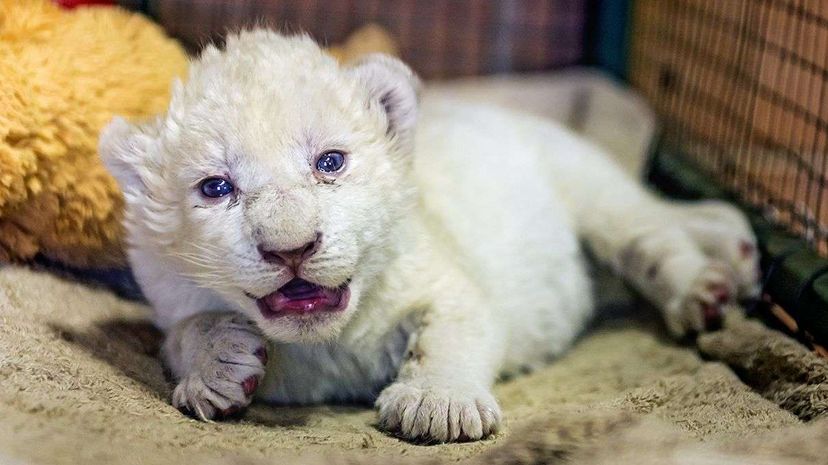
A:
741	85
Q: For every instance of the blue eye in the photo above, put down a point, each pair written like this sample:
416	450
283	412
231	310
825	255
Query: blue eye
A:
330	162
216	187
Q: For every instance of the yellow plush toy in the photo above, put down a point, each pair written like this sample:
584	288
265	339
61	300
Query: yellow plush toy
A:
63	75
370	38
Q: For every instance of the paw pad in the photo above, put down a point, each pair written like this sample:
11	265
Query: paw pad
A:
746	249
720	292
229	412
249	385
712	315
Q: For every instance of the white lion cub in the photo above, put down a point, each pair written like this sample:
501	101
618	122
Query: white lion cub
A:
308	232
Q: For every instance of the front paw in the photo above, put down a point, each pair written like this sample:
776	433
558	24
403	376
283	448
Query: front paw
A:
431	414
222	380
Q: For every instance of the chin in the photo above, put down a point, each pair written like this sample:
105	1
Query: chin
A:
305	328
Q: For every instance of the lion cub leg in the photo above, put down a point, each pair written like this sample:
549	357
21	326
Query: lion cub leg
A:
668	267
705	252
684	258
443	389
218	360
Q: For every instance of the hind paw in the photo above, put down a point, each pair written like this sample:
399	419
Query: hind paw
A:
703	307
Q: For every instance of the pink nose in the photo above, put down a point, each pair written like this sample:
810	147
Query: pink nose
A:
293	257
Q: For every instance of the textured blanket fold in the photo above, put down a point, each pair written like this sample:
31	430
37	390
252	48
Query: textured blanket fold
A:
79	383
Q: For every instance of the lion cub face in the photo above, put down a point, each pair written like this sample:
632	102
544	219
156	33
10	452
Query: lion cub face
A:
275	179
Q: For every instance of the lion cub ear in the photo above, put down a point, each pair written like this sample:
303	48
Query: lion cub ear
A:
127	151
394	87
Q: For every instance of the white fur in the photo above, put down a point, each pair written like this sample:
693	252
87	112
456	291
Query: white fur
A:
460	238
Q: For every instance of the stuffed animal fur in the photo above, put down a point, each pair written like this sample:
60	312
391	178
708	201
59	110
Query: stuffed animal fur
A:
63	75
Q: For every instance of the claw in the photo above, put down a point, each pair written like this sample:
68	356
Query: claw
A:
186	411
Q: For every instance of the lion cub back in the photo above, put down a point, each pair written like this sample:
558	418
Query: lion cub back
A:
483	184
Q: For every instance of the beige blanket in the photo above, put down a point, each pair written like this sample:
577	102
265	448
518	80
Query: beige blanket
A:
79	384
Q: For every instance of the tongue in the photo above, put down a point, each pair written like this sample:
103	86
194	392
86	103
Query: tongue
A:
302	297
299	289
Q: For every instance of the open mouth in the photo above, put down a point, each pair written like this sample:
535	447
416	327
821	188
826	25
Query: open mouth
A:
301	297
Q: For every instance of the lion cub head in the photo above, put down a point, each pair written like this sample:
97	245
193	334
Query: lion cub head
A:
274	179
